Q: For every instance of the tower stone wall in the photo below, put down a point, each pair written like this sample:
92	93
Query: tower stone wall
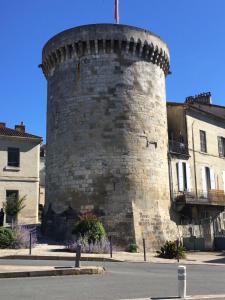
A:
107	132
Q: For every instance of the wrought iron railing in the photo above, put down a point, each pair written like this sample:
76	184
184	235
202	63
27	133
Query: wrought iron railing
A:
178	147
214	197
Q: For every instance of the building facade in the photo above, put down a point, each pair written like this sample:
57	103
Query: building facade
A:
19	171
197	168
42	175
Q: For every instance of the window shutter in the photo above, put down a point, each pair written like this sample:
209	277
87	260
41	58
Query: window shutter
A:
204	185
224	181
180	176
188	176
220	146
212	179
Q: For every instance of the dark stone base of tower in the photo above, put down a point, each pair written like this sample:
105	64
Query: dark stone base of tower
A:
107	132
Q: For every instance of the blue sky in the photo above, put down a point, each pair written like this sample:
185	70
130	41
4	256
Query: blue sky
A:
193	29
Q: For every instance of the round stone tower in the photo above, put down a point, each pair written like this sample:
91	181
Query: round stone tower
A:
107	132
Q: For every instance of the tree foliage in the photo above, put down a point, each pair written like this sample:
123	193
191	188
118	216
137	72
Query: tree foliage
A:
13	206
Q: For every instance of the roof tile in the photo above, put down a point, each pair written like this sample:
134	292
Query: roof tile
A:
4	131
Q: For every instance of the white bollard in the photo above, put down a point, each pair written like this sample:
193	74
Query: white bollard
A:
182	286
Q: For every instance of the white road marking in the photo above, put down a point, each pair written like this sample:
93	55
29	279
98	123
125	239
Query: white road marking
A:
197	297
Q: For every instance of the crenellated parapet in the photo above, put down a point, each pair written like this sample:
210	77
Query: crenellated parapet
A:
75	43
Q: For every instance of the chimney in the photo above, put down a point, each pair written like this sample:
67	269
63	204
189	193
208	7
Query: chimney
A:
204	98
20	128
2	125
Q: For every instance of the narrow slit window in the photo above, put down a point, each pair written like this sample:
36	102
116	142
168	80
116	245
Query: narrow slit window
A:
221	146
203	142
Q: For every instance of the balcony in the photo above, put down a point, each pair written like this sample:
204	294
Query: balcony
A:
211	197
178	148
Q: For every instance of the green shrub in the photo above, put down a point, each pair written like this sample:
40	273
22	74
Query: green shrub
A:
89	227
170	250
133	248
6	238
16	238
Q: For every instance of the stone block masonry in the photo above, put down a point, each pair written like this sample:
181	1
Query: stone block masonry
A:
107	132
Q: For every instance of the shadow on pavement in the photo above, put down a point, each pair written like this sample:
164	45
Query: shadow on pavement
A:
219	260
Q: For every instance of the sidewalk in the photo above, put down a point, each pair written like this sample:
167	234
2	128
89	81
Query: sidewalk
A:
45	251
56	252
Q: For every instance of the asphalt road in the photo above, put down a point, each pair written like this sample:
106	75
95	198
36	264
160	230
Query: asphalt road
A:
121	281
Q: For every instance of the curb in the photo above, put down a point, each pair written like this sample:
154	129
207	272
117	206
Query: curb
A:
102	259
65	258
55	272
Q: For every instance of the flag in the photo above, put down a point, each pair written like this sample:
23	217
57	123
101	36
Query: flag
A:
117	15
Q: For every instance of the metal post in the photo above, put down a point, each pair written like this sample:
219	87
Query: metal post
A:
144	249
182	285
30	243
178	257
110	245
78	255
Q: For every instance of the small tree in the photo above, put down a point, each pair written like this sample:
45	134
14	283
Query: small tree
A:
13	207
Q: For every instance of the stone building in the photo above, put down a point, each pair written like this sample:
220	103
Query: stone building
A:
107	132
107	141
42	180
19	170
197	169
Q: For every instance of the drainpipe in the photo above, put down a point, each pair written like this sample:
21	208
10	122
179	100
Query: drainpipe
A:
170	176
194	159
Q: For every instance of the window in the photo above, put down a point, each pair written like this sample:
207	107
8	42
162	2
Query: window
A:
223	174
184	176
203	141
13	157
221	146
208	178
11	196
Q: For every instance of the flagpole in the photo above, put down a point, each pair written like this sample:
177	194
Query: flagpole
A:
117	12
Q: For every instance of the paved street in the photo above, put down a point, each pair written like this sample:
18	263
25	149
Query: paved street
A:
121	281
